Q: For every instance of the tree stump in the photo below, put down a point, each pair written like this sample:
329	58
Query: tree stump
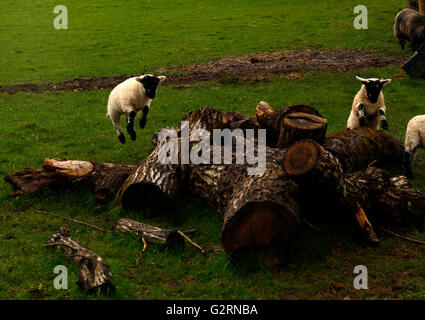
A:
94	272
298	126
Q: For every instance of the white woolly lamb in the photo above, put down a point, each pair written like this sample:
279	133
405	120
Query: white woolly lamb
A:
130	97
368	105
415	139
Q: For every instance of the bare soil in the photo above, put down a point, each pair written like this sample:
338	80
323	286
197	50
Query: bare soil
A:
251	67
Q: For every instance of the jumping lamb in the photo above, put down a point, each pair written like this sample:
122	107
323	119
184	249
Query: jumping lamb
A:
410	25
368	105
415	139
130	97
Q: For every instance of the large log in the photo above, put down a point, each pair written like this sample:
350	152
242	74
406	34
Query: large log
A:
157	185
94	272
257	211
105	178
372	190
357	149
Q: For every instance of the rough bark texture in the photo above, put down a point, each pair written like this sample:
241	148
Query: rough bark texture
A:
105	178
157	185
271	119
149	233
258	211
298	126
372	189
357	149
94	272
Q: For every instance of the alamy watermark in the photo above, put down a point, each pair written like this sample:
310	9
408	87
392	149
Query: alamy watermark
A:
360	22
61	20
61	281
199	152
360	281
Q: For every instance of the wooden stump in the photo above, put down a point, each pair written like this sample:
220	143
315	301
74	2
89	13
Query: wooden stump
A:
357	149
298	126
94	272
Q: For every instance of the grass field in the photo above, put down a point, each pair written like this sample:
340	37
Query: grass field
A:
114	39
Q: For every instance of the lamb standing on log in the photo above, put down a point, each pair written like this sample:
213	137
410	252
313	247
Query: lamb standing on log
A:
410	25
130	97
415	139
368	105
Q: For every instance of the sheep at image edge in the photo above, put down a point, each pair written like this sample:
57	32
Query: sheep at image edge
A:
130	97
368	105
415	139
410	25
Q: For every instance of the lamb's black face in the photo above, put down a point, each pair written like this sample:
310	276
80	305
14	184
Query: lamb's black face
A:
150	83
373	89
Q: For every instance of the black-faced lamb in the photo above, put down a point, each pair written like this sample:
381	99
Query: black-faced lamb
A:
131	97
415	139
368	105
410	25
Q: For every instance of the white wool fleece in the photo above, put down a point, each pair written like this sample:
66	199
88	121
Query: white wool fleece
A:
415	134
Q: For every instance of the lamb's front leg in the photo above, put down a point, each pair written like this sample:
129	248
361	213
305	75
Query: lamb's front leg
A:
130	124
384	123
362	117
143	119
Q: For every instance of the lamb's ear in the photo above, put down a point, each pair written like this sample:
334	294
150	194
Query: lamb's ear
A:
162	78
364	81
385	81
139	79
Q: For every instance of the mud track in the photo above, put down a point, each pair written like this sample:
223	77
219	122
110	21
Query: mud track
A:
249	67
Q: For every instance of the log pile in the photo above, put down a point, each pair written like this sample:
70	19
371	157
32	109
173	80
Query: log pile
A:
260	211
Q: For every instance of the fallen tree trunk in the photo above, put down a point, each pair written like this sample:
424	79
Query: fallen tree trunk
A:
372	190
94	272
157	185
357	149
257	211
105	178
149	233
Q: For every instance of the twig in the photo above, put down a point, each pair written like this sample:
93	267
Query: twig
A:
192	231
141	252
74	220
371	164
403	237
191	242
312	226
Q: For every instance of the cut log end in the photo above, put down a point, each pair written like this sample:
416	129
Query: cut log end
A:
263	226
300	157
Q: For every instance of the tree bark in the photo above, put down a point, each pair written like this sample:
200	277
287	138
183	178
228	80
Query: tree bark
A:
150	233
94	272
105	178
257	211
372	190
298	126
357	149
157	185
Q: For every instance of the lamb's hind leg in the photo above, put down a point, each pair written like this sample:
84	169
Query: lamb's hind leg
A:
130	124
115	118
143	119
384	123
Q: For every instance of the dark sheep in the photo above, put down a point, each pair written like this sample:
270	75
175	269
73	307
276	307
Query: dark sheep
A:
410	25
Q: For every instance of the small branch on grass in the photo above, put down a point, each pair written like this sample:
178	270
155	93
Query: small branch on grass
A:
141	252
74	220
191	242
403	237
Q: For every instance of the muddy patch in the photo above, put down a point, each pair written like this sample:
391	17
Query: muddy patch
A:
249	67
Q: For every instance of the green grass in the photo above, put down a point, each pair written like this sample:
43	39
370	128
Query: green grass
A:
133	37
72	125
110	38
